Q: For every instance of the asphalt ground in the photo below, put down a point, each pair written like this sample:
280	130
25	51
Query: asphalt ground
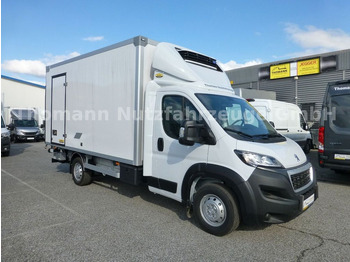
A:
46	217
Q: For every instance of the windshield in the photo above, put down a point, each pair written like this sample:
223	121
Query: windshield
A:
238	118
25	123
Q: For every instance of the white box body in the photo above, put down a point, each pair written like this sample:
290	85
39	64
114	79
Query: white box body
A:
91	101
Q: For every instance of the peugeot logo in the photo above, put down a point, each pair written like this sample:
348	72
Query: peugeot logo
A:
296	157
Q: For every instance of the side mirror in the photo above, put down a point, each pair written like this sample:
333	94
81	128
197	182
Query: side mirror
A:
305	127
42	126
11	126
192	132
272	123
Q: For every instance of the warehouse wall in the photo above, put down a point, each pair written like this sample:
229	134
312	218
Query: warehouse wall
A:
20	94
306	91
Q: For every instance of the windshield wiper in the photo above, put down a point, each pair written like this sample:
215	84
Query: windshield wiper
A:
266	136
275	135
237	132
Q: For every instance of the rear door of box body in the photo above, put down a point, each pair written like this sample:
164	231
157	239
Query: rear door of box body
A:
58	109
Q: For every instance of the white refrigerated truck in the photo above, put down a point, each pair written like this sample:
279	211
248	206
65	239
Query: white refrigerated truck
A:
164	115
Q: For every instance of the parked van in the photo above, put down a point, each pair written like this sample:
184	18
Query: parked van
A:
287	119
5	139
164	115
24	125
334	131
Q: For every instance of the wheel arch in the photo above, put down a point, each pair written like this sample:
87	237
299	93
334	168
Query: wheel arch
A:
75	155
202	173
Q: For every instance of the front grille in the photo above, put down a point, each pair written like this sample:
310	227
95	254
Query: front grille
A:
29	133
301	179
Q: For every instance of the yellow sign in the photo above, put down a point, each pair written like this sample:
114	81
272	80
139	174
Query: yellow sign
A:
309	67
280	71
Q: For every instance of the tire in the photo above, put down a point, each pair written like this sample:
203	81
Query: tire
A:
216	209
307	147
7	153
80	177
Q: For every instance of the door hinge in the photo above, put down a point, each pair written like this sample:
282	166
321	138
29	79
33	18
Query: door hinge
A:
65	84
65	135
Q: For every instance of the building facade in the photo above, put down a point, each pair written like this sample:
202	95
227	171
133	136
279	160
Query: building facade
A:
16	93
301	81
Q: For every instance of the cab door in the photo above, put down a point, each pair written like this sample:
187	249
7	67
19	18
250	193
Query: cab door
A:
171	160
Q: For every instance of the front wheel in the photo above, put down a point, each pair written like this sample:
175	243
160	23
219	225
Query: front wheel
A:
80	176
216	209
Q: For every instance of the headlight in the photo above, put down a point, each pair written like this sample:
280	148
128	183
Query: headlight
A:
5	134
255	159
19	133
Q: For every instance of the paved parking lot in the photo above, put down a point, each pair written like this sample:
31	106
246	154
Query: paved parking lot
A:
46	217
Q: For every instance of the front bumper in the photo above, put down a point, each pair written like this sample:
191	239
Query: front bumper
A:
29	137
279	195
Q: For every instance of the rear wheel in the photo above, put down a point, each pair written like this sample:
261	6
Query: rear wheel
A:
216	210
80	176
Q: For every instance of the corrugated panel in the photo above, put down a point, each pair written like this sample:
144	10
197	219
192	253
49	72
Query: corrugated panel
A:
284	88
245	85
347	74
254	85
250	74
243	75
311	89
344	60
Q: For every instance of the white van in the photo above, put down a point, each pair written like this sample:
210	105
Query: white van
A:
287	119
161	114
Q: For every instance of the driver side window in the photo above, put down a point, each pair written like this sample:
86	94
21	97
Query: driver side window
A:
176	109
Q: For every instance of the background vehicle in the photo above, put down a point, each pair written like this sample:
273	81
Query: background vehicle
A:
334	131
255	94
5	139
287	119
164	115
24	126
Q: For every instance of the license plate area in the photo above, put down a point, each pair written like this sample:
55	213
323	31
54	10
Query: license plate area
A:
308	201
341	157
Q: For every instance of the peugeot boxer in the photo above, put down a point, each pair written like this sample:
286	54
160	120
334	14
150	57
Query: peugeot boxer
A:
164	115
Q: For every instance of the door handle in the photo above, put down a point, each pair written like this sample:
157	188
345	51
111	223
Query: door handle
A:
160	144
